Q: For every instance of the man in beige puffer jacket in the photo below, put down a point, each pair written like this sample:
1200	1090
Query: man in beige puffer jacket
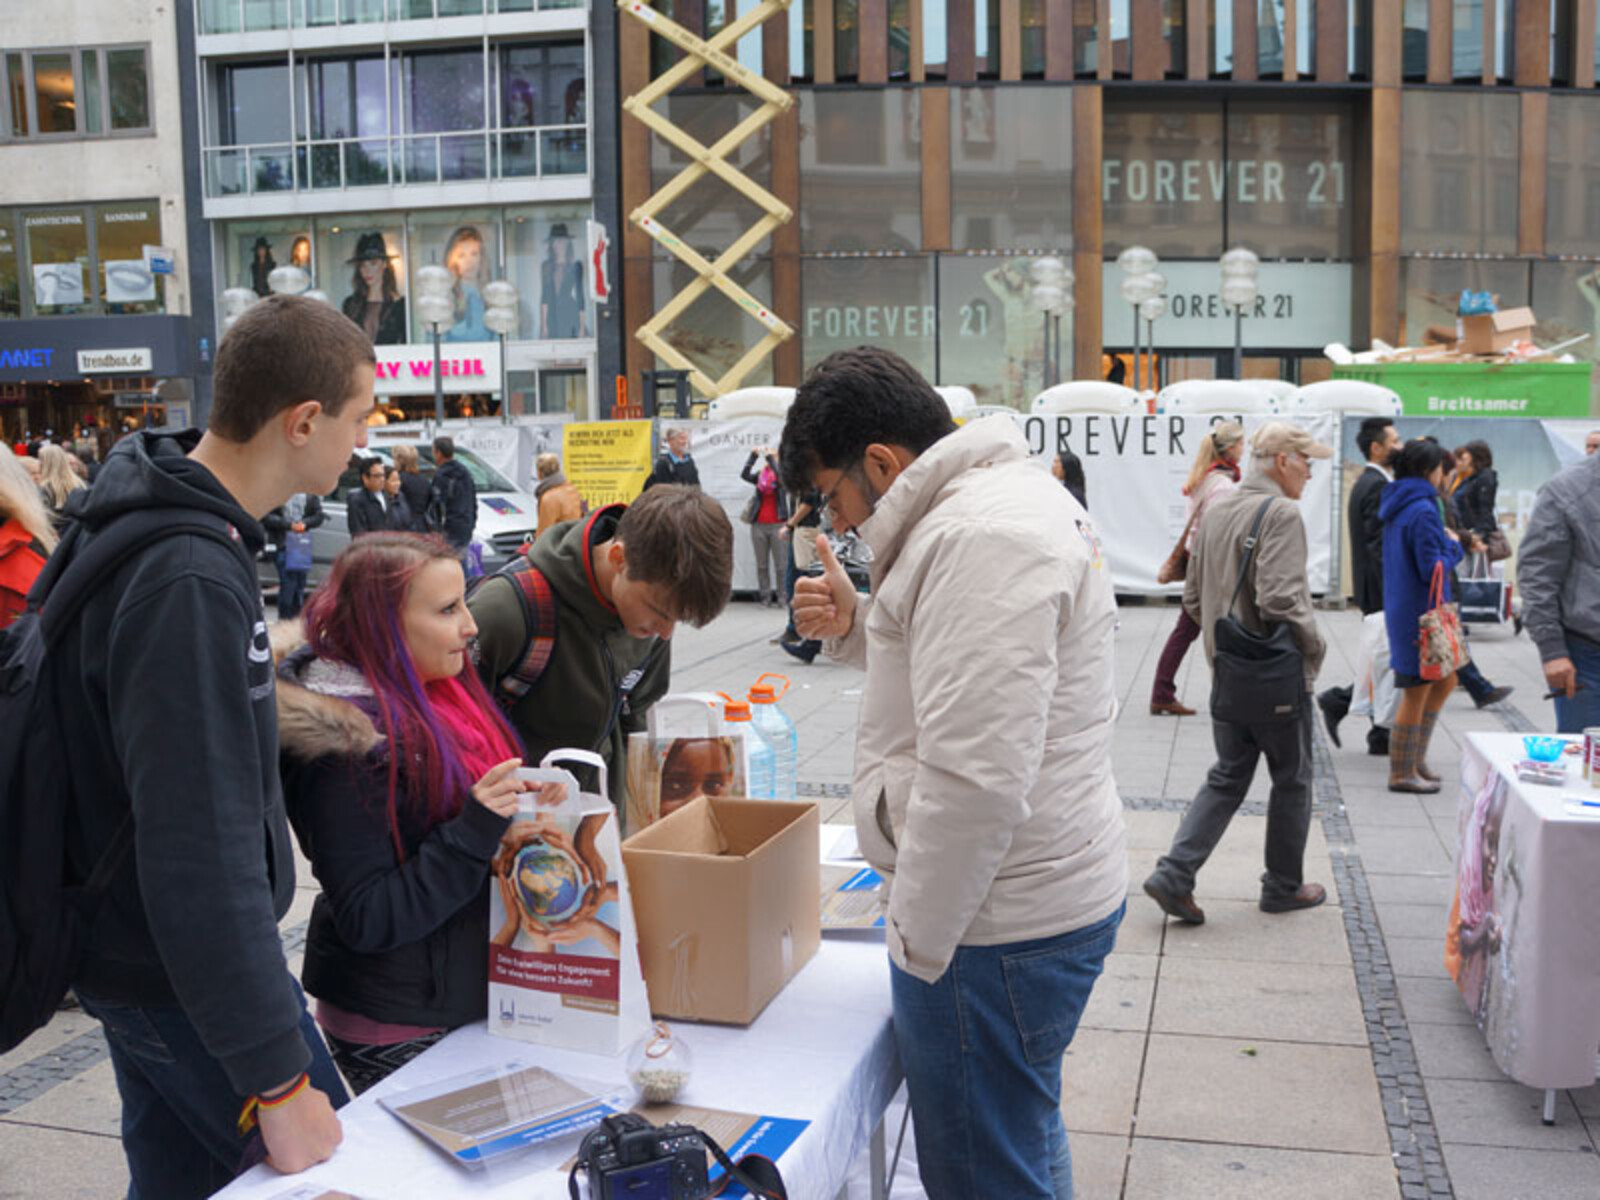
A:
983	787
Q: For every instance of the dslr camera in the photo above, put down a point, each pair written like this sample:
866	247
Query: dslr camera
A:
627	1158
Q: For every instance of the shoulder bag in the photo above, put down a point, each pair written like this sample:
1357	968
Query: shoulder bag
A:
1176	568
1441	650
1256	678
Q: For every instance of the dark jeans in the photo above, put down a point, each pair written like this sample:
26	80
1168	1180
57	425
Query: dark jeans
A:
291	590
982	1051
179	1112
1165	689
1287	747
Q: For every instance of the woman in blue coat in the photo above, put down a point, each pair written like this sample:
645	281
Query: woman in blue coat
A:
1415	541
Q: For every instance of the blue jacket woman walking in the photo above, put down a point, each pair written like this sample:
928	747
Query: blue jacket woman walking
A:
1415	541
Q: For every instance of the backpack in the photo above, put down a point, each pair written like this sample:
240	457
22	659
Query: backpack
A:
539	617
441	495
45	917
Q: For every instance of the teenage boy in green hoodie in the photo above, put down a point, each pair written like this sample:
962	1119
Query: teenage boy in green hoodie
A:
618	581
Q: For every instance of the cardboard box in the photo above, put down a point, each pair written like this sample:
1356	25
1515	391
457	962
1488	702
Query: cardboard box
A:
1490	333
725	898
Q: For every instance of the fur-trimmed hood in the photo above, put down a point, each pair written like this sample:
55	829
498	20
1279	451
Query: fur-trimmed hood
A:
320	703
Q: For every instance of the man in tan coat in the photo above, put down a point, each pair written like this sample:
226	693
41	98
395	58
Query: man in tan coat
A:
558	497
983	789
1275	590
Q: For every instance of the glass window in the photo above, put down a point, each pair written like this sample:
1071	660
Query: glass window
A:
1505	36
467	244
887	302
986	28
1572	196
935	40
846	39
55	105
990	338
58	260
710	213
128	84
900	34
1221	16
10	291
1414	39
1162	179
1561	19
1466	39
253	104
1566	296
801	16
93	120
546	258
1360	45
251	249
1121	38
219	16
443	91
1459	172
122	231
1010	168
541	83
343	99
17	95
1174	30
1305	38
1288	180
1085	40
362	267
1433	288
1269	38
861	170
712	333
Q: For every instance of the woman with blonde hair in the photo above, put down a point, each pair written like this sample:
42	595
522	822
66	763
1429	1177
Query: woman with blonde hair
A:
1215	472
57	480
413	485
26	536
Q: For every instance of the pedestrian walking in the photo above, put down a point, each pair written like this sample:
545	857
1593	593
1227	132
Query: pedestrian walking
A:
767	513
413	485
1214	473
367	507
1469	513
1415	543
558	497
452	498
299	515
1249	566
57	481
677	464
1067	468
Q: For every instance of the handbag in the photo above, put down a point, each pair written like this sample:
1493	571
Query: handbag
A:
1256	678
1497	546
296	551
752	509
1176	568
1482	597
1441	648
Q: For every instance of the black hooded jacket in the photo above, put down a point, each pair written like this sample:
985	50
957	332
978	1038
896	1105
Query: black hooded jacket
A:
167	683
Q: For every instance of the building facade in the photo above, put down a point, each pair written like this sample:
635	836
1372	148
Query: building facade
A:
362	140
96	332
1379	156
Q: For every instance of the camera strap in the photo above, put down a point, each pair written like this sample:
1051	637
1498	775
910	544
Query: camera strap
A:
757	1174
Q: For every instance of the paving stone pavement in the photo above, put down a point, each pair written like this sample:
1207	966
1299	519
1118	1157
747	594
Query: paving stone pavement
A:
1323	1055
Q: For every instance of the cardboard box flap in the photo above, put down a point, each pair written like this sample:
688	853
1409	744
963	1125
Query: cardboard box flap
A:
750	825
693	829
1508	319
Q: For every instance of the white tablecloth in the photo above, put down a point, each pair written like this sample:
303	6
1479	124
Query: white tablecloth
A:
1536	995
823	1051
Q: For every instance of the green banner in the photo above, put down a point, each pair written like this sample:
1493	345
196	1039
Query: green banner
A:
1482	389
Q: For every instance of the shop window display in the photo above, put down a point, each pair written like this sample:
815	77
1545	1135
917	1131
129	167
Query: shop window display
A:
1163	181
546	258
1433	287
57	243
467	244
10	281
1289	193
122	231
861	170
252	249
1010	168
990	338
362	270
882	300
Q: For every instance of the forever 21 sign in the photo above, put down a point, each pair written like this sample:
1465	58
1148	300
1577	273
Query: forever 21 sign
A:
1298	306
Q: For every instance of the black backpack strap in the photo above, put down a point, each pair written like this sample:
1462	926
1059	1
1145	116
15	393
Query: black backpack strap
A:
1250	541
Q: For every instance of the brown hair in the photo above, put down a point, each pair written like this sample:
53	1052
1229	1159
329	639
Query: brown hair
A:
284	351
407	459
680	537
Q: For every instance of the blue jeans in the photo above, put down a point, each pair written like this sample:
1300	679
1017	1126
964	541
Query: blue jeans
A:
179	1112
982	1052
1583	710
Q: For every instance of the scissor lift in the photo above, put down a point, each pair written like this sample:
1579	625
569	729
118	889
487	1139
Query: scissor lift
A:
702	52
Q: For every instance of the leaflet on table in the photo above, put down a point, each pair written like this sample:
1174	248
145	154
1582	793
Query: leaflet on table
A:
852	897
311	1191
737	1133
484	1115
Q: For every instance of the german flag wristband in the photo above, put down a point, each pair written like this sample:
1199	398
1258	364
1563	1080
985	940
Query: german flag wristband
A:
249	1115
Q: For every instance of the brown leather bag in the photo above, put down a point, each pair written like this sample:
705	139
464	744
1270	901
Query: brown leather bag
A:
1176	567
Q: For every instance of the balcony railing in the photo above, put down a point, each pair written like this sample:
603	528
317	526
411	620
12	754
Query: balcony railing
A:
252	16
547	151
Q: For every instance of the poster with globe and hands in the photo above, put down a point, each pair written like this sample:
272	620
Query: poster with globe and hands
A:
563	947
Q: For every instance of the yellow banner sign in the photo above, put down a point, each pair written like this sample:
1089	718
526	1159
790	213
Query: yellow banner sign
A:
608	460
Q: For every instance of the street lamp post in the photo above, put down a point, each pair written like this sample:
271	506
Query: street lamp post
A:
501	318
435	309
1051	295
1150	309
1240	270
1135	263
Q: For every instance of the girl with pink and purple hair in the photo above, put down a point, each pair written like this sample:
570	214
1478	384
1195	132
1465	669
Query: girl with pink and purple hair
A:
398	774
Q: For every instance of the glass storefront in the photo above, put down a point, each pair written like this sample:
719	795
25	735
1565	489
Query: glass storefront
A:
1459	172
861	171
79	259
1010	168
367	263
